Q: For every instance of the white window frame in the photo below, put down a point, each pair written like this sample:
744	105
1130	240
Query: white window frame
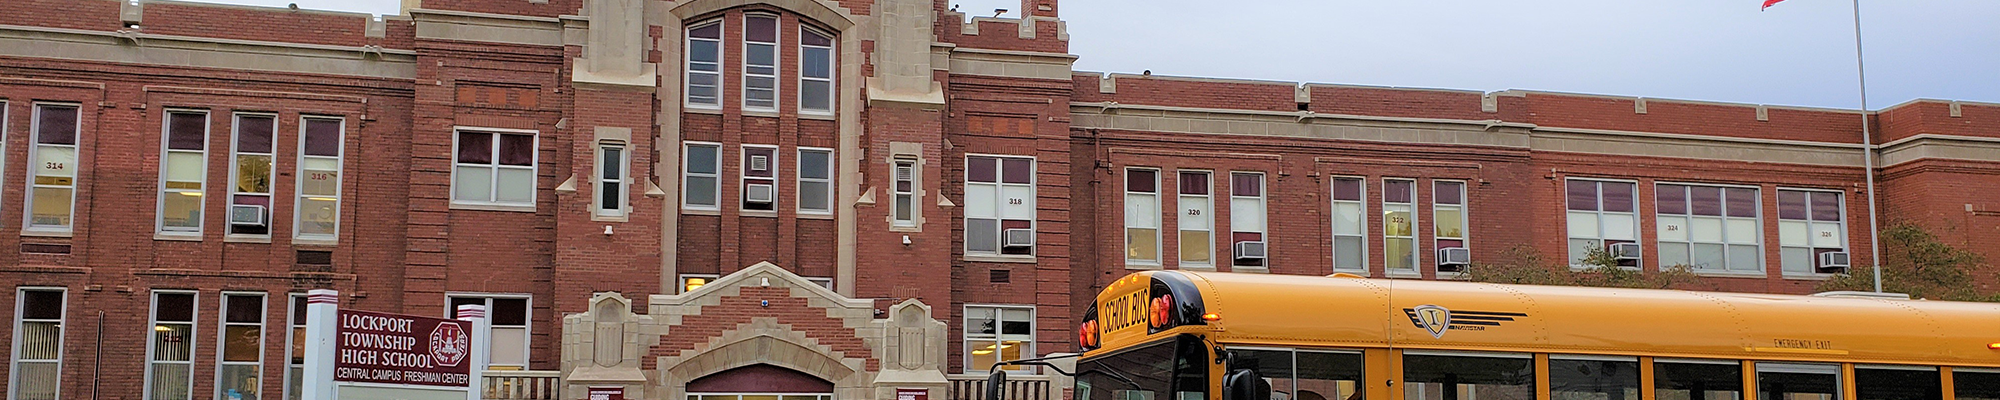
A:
832	68
1206	213
1416	229
28	201
1154	212
4	124
194	331
1000	199
1464	207
743	177
222	333
1568	234
687	64
822	282
897	194
166	151
1362	219
1812	260
624	180
967	337
777	59
1756	220
707	279
235	138
803	180
291	334
1264	232
687	172
534	168
527	326
20	319
339	181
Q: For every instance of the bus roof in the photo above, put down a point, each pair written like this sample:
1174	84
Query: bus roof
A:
1311	311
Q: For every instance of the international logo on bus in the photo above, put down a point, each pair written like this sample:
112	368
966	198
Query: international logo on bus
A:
1437	320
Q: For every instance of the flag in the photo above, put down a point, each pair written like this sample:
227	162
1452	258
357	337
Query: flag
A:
1769	3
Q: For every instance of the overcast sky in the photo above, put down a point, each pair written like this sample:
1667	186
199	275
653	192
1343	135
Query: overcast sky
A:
1800	52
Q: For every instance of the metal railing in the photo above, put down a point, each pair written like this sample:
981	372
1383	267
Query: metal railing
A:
1018	387
521	385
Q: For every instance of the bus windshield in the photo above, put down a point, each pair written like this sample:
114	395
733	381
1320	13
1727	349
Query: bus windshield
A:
1169	370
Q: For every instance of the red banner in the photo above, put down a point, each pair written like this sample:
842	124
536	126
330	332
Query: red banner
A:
402	349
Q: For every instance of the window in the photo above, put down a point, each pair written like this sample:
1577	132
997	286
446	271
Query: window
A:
52	182
704	65
170	353
611	179
998	333
495	168
1399	222
1601	213
906	192
1317	375
1884	382
1246	219
1593	378
1798	381
815	181
1448	214
1697	380
242	360
183	171
1142	217
250	173
319	179
690	282
1467	377
295	352
815	71
760	178
509	314
760	62
1710	228
701	178
1197	226
1350	224
1810	223
38	344
1975	383
999	197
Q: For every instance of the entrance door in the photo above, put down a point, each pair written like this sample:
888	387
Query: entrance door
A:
760	382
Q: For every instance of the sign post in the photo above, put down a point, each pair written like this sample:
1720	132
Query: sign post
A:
482	328
322	305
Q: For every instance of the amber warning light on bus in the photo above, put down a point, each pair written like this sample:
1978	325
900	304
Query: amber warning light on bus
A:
1993	346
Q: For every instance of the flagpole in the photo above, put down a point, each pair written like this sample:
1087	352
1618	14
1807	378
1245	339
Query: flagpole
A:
1868	152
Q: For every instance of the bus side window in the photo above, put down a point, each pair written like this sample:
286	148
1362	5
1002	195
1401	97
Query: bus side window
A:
1328	376
1976	384
1697	381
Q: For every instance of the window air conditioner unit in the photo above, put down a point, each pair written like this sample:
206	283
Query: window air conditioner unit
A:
760	193
1833	262
760	163
1020	237
1625	251
1250	250
1453	259
249	215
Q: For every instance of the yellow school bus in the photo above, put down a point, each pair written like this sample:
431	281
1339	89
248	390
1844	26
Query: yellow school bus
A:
1178	335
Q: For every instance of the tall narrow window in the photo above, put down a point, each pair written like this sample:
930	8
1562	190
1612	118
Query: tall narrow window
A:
1142	217
295	349
1448	215
1601	213
183	172
1710	228
510	316
611	180
52	182
1810	223
38	344
760	62
319	179
701	178
1350	221
815	71
1247	219
1197	226
815	181
906	192
704	65
241	374
170	353
999	205
250	174
760	178
495	168
1399	222
998	333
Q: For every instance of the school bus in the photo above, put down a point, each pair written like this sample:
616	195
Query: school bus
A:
1179	335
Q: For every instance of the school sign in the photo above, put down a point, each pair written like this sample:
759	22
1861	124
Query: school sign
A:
356	354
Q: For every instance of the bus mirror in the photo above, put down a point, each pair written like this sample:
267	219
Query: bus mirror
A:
994	383
1244	384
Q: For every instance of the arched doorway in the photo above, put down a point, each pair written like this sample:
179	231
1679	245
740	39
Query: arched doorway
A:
760	382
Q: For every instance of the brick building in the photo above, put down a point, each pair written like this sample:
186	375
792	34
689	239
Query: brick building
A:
181	173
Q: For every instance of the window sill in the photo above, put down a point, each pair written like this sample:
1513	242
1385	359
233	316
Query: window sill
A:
1808	277
700	211
815	215
265	239
1251	270
912	228
694	109
177	237
1361	272
759	213
31	232
492	207
1451	275
594	217
999	259
1196	268
1731	274
1145	266
1395	274
817	115
315	241
770	113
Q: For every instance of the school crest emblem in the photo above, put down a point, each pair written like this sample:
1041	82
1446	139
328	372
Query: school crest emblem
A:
1432	318
1437	320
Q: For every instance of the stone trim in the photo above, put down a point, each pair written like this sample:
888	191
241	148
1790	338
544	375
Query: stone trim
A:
185	51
